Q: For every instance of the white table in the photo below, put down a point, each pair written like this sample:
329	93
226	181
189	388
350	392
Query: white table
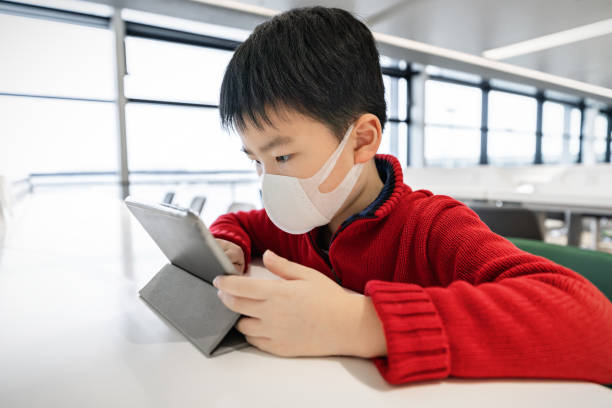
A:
576	190
74	333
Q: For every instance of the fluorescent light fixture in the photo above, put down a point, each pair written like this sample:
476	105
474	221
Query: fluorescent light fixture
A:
573	35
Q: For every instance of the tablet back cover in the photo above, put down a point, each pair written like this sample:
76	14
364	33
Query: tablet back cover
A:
193	307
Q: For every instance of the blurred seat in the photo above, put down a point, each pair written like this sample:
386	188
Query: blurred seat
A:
197	204
511	222
168	197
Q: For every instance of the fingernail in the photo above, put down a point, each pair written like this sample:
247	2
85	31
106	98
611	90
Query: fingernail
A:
220	294
215	281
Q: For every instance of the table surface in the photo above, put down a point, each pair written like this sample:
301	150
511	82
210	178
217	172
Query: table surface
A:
75	333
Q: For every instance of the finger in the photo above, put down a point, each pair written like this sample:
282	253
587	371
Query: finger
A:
236	255
250	326
283	267
262	343
244	306
246	286
239	267
223	243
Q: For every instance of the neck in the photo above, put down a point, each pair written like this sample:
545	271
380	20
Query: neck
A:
369	189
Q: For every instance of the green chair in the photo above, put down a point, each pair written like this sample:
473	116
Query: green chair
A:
594	265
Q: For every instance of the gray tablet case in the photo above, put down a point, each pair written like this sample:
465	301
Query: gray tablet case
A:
181	291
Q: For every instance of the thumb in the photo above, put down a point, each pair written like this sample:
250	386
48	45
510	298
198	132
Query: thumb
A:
283	267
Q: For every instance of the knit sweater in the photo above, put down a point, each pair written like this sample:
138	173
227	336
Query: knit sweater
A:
454	298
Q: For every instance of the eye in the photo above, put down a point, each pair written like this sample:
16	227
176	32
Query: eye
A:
283	159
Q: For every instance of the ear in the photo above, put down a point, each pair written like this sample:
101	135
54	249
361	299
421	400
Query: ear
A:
368	134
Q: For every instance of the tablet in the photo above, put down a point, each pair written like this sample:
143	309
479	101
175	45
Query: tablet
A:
183	238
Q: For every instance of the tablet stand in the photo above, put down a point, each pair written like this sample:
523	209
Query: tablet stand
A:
192	306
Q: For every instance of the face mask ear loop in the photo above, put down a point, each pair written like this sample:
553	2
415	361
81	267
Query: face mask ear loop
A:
327	168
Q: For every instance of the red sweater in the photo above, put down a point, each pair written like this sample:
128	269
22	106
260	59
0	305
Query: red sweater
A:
453	297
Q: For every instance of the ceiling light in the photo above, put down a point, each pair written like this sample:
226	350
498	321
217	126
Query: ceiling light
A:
581	33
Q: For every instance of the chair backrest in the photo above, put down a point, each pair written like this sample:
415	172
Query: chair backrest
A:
168	197
239	206
197	204
510	222
594	265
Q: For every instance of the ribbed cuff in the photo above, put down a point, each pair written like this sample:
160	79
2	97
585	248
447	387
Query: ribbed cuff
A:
417	346
236	239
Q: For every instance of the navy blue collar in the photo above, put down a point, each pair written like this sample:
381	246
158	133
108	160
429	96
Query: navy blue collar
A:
386	171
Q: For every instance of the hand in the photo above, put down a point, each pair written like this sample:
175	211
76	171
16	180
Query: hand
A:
304	314
233	252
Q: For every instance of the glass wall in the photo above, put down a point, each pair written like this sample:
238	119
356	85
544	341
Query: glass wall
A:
600	134
395	133
176	138
512	126
167	71
560	133
56	97
452	124
57	110
185	136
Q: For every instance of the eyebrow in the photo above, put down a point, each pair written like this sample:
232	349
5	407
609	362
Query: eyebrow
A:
277	141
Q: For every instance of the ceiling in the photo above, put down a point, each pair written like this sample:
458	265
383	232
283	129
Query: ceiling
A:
468	26
473	26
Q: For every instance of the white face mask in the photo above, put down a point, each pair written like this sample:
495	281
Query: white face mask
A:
295	205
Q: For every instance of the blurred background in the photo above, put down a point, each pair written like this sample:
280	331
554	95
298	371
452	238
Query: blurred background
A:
506	106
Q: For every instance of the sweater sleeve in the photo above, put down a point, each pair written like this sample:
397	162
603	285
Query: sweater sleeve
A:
499	311
251	230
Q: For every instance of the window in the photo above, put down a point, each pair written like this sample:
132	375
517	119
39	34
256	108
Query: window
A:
552	132
56	136
560	133
396	96
171	138
600	137
56	91
161	70
395	141
512	125
574	144
52	58
452	124
395	134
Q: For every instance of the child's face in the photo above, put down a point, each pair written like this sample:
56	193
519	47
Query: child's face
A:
296	146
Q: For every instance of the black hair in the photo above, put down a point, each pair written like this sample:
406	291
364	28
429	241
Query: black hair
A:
318	61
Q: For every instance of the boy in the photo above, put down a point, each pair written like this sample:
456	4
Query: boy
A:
438	293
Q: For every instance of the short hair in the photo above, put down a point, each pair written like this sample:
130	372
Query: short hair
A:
318	61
